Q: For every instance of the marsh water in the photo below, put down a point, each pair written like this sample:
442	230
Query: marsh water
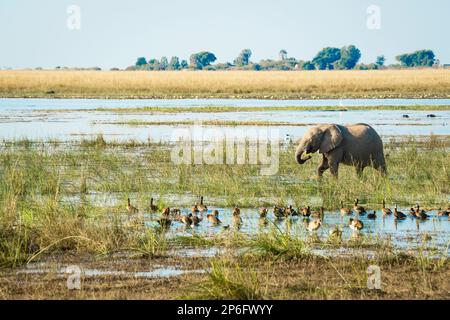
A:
72	119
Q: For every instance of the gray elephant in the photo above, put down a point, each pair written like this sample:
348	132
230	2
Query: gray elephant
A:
357	145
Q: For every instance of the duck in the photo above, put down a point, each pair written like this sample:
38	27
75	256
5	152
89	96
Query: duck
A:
336	232
355	224
195	220
317	214
357	208
443	213
153	207
314	225
372	215
386	211
237	216
187	219
398	214
165	212
278	212
214	218
165	221
263	221
421	214
194	208
345	211
290	211
131	208
262	212
412	212
306	212
201	207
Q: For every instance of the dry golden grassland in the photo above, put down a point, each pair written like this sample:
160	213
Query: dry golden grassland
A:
423	83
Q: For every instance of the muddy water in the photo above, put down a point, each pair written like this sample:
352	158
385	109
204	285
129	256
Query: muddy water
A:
22	118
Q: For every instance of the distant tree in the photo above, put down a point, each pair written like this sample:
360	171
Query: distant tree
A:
164	63
380	61
174	63
308	65
282	55
350	56
421	58
326	58
153	64
291	62
184	64
200	60
141	61
370	66
223	66
244	58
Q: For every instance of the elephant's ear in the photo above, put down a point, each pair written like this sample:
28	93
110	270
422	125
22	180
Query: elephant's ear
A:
331	139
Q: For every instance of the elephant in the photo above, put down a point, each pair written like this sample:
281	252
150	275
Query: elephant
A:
358	145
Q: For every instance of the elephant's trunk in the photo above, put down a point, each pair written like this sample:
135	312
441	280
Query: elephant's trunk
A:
298	156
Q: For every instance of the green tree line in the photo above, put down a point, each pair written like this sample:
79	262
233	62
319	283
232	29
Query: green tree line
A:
329	58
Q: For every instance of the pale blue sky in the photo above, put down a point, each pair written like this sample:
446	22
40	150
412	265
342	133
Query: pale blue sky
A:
113	33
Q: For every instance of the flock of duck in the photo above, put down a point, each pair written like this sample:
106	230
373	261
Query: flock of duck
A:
313	218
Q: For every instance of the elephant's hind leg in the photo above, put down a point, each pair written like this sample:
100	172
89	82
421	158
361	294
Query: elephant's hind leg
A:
359	169
381	167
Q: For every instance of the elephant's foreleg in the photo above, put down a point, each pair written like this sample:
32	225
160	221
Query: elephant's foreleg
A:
334	168
323	166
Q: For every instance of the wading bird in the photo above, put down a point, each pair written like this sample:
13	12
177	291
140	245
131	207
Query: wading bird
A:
130	208
153	207
398	214
386	211
355	224
262	212
278	212
344	210
372	215
359	209
306	212
237	220
214	218
201	207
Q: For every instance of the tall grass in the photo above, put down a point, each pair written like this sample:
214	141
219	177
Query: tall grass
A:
230	84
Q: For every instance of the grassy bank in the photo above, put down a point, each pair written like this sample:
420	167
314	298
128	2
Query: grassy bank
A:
426	83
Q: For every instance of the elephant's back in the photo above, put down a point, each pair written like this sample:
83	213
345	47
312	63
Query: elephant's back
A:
363	131
363	140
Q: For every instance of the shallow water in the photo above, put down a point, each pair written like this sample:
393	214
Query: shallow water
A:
28	118
35	104
63	271
406	234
